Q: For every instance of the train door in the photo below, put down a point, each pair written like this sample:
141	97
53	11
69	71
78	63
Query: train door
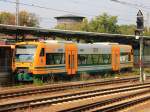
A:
71	58
115	58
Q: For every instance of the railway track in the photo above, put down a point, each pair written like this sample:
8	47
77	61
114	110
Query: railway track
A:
49	89
123	105
70	97
101	106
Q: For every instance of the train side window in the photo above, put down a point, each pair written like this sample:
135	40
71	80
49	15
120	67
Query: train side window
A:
82	59
58	58
54	58
42	52
89	61
109	58
95	58
100	60
106	59
49	59
124	57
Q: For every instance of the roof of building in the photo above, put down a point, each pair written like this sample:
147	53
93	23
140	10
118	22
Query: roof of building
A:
69	16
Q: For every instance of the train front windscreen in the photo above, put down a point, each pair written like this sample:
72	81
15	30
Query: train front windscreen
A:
25	53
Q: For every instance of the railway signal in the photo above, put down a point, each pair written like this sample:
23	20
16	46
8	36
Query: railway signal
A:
139	35
140	22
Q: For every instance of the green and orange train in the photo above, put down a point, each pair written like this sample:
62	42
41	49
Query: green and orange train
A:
40	59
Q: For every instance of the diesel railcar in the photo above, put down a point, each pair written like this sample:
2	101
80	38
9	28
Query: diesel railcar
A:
40	59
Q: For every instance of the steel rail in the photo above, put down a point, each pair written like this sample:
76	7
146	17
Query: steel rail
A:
68	97
123	105
11	94
106	102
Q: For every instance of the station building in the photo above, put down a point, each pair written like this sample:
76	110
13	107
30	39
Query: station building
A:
69	19
69	22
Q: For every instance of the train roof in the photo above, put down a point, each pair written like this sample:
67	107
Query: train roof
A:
57	41
106	43
97	44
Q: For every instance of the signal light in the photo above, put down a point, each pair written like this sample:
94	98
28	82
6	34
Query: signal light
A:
140	22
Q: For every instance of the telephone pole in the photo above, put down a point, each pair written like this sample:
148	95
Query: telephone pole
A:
17	12
17	17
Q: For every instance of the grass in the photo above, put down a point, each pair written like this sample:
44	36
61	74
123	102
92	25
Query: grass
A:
147	70
37	82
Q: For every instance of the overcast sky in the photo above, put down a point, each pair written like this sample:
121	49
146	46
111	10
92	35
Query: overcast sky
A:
89	8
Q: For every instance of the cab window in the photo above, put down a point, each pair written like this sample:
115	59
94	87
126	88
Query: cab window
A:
42	52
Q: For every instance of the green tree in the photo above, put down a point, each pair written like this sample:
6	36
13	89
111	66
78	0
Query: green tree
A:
7	18
146	31
104	23
127	29
28	19
25	19
85	25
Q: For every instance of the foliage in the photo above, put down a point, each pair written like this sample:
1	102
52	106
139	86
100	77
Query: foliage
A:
28	19
7	18
104	23
25	19
37	81
81	26
85	25
146	32
127	29
130	30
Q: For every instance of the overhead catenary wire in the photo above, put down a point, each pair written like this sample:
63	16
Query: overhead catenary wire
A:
135	5
47	8
94	5
53	9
